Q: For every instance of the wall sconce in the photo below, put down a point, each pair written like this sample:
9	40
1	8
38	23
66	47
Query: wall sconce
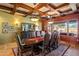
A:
17	23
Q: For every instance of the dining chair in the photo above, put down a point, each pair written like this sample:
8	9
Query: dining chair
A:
25	34
45	44
54	40
42	33
33	34
38	33
22	48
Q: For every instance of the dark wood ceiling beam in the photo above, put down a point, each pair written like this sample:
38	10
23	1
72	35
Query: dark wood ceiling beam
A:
22	6
30	8
26	7
14	9
56	7
11	9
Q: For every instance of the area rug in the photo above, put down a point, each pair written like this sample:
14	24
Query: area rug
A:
15	52
60	51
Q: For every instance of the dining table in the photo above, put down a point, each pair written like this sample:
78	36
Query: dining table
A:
33	40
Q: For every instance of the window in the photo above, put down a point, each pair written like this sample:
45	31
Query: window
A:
49	27
62	27
68	28
73	27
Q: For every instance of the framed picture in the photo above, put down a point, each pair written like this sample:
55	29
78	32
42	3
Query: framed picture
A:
5	27
11	29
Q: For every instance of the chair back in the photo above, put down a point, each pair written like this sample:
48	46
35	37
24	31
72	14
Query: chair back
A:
26	34
33	34
46	38
54	39
54	36
18	39
38	33
42	34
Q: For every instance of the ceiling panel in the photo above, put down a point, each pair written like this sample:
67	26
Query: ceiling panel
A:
7	5
5	10
77	4
22	9
44	9
64	8
30	4
19	14
53	12
73	6
69	12
57	4
48	10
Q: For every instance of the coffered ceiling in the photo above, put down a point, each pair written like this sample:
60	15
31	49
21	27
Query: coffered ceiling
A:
42	9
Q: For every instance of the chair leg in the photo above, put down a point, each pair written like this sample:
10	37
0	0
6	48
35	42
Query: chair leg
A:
46	52
19	53
32	53
43	52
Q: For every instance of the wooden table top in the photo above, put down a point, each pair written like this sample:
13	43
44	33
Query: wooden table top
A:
33	40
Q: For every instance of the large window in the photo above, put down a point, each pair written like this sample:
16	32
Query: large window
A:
62	27
49	27
69	27
73	27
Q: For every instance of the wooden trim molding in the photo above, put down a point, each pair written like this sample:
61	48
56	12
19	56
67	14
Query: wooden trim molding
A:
78	29
44	24
66	18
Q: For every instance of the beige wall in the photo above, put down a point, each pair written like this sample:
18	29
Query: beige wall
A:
12	20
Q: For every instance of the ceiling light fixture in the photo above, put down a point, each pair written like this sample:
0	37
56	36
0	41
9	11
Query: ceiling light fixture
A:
34	19
50	22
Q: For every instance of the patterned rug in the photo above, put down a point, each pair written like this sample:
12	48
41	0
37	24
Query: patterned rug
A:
60	51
